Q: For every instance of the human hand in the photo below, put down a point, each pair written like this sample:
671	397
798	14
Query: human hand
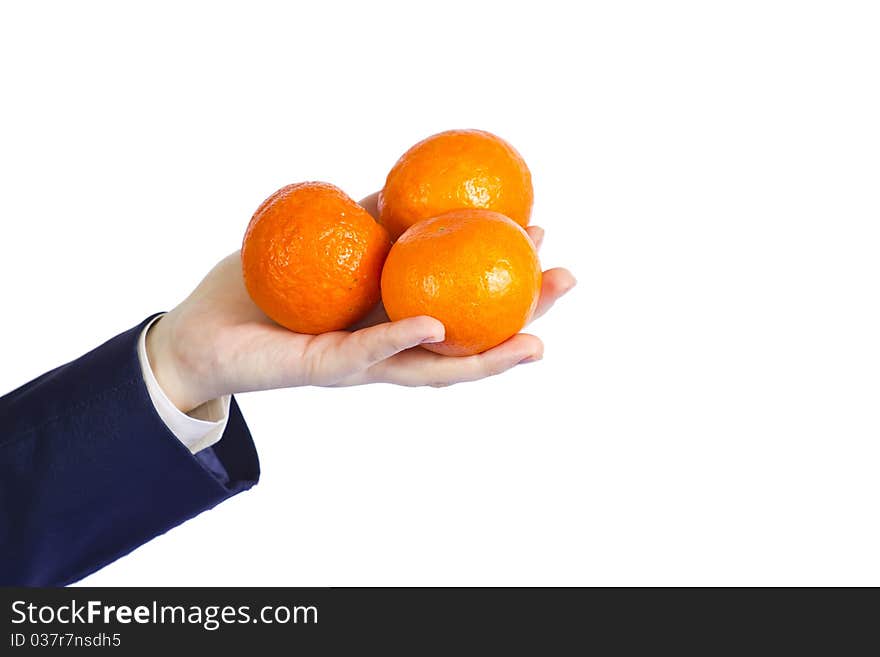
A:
218	342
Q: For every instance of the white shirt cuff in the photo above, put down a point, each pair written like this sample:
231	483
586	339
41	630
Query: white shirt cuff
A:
202	426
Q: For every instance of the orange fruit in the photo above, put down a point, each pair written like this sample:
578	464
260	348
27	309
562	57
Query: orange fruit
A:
474	270
454	170
312	258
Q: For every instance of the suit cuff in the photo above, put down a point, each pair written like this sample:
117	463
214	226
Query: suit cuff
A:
201	427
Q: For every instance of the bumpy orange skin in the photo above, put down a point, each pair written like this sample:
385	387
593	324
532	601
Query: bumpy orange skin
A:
312	258
474	270
454	170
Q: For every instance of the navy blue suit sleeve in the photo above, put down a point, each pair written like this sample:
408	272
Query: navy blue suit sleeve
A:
89	471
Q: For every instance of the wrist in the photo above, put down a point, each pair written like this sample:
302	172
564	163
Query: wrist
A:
173	373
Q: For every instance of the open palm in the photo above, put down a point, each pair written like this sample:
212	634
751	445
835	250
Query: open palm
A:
217	341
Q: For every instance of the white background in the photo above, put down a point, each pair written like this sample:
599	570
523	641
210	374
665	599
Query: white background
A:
707	409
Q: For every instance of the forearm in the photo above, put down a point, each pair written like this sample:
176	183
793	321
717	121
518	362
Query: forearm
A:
89	471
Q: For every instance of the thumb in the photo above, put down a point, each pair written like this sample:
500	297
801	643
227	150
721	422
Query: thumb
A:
368	346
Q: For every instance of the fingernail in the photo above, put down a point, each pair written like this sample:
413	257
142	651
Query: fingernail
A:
539	238
531	359
433	338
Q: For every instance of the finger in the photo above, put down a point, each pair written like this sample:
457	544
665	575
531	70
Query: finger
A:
554	284
419	367
536	233
368	346
371	204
